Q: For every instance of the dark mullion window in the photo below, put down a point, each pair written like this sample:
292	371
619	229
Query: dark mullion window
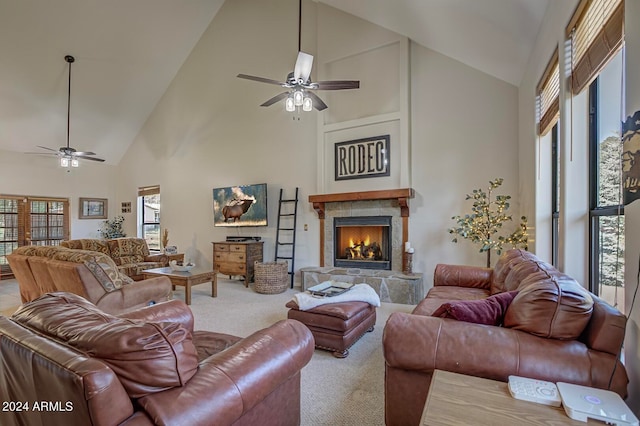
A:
151	221
555	195
606	213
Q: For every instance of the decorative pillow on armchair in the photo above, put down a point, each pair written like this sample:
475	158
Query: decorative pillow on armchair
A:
489	311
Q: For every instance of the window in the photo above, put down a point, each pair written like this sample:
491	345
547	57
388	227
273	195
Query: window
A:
31	221
548	113
606	210
555	195
149	208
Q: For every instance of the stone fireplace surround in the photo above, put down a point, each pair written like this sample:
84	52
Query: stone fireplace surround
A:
392	286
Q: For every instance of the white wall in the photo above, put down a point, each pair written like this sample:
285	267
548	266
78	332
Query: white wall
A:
34	175
208	130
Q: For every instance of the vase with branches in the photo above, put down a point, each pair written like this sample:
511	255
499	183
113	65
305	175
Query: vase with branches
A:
112	228
483	225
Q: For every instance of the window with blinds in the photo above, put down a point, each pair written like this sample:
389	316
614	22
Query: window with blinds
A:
596	32
548	96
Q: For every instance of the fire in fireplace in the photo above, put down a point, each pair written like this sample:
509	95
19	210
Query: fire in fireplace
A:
362	242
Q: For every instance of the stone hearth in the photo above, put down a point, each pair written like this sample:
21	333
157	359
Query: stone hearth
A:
392	287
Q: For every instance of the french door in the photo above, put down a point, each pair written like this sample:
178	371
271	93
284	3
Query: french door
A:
26	220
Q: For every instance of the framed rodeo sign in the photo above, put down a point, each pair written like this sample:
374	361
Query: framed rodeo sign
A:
362	158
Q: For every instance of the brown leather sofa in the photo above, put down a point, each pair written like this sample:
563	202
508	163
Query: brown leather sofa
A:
131	255
92	275
553	330
73	364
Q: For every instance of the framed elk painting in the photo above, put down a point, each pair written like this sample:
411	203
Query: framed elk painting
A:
243	205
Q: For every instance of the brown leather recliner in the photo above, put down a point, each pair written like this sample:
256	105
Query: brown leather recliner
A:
71	364
554	330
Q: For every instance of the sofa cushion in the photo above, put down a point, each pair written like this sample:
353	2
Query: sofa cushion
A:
550	304
488	311
104	261
503	267
128	250
147	357
92	244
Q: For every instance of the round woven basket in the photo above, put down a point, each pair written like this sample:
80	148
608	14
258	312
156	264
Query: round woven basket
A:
271	277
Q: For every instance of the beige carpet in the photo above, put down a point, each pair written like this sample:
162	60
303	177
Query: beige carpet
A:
335	392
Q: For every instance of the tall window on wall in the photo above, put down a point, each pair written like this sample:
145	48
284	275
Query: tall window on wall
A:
548	102
597	37
149	215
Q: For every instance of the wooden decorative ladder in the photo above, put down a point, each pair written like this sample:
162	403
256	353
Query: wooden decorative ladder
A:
286	232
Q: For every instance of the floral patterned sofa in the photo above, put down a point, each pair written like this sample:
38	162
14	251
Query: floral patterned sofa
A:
131	255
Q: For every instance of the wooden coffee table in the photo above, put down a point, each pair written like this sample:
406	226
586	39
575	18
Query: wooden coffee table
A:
456	399
186	279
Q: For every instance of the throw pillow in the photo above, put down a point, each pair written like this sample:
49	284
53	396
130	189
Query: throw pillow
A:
100	275
489	311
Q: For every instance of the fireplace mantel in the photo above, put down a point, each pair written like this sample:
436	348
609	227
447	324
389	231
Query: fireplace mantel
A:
402	197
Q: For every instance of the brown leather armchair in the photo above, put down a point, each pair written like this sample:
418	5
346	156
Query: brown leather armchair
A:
554	330
145	367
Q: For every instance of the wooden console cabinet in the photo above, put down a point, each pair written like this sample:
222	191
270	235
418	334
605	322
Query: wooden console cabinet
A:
237	258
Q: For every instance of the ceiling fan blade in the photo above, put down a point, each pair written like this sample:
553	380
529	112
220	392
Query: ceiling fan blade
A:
42	153
44	147
83	157
302	70
337	84
275	99
317	102
260	79
81	153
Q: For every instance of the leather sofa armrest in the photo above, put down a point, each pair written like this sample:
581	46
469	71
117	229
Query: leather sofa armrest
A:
136	295
462	276
170	311
424	344
231	382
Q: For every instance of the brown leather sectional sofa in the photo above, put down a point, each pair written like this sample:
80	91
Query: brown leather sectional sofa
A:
553	330
85	367
90	274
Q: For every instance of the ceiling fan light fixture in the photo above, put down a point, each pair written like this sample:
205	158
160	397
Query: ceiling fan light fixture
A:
74	162
298	97
307	104
64	162
289	104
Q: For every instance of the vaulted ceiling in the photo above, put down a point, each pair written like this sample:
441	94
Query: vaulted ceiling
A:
122	40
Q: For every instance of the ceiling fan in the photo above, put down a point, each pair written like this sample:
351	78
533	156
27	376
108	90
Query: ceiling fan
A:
69	156
298	82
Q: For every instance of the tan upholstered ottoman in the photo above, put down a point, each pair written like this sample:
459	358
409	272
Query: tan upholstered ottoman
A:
336	326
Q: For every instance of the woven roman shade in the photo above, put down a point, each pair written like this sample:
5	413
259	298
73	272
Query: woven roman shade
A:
596	31
548	96
148	190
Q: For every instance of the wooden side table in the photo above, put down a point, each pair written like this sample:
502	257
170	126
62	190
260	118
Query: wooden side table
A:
186	279
460	400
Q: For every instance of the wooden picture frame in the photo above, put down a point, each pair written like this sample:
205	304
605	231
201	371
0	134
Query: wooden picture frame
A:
93	208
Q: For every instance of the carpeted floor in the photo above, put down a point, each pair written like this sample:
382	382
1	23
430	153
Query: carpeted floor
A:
335	392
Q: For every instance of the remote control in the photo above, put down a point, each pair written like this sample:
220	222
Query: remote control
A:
534	390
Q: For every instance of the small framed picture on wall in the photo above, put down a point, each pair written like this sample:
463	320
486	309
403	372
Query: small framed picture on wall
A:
93	208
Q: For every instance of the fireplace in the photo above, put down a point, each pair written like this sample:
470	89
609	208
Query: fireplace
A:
390	235
362	242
